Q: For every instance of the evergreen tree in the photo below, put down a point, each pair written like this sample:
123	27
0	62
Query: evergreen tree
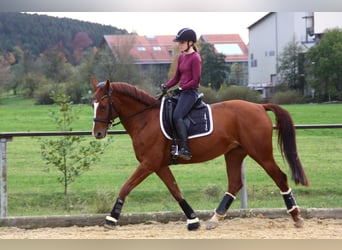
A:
214	68
290	62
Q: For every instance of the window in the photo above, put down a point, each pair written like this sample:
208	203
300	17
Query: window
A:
141	48
156	48
228	49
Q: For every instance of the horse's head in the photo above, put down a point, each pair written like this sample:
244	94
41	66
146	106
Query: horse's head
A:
103	108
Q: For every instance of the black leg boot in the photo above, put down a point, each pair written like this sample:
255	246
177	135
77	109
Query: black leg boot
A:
183	136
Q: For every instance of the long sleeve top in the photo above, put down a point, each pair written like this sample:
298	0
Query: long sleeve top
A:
188	71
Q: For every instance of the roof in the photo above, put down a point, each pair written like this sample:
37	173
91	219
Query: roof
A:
231	45
260	20
146	49
159	49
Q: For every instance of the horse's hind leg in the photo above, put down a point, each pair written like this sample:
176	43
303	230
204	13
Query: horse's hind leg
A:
233	160
280	179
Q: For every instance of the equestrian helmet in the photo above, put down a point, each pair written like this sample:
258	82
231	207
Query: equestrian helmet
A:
185	35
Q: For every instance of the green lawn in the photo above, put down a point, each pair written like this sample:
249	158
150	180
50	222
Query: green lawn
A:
31	191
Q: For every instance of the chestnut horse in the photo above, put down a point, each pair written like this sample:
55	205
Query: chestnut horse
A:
240	128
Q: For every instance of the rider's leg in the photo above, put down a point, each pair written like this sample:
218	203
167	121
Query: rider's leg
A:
185	102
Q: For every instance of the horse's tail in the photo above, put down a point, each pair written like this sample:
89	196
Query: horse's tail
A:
287	142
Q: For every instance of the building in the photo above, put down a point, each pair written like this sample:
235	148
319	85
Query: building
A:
236	52
269	35
155	54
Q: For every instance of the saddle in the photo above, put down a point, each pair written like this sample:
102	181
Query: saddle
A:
199	121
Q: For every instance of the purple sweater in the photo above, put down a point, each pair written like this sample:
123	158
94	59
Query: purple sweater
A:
188	71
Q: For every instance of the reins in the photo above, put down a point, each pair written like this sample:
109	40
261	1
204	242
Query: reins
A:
134	114
112	105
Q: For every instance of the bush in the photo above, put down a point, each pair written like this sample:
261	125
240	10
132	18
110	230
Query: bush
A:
239	93
74	91
213	191
287	97
210	95
43	94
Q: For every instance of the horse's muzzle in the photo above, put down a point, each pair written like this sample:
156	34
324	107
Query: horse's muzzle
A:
100	134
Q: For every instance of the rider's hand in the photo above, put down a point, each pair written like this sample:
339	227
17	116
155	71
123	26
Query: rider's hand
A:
176	91
164	89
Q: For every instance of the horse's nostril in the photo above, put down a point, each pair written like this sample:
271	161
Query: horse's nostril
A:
98	134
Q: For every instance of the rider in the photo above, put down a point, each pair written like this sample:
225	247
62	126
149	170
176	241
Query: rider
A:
188	75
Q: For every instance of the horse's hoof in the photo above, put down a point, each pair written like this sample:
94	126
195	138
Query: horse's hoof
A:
299	223
212	225
193	224
214	221
110	222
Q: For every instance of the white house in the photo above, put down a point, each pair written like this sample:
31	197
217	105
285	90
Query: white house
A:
269	35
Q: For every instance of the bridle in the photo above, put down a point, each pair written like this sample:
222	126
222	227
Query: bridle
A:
109	121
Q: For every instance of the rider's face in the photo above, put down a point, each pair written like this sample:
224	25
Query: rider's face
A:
183	45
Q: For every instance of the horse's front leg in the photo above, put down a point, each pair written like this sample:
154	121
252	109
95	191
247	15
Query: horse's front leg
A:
137	177
167	177
234	158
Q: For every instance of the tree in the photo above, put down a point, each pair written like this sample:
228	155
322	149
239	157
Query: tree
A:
80	42
117	63
37	33
290	61
55	65
4	73
104	65
69	154
56	68
237	74
324	66
214	68
17	70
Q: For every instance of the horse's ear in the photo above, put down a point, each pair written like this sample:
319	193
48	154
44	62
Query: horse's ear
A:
94	83
107	85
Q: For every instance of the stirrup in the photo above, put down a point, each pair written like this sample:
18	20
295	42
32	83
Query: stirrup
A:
174	150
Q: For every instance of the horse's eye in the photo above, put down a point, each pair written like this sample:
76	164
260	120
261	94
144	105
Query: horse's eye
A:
102	108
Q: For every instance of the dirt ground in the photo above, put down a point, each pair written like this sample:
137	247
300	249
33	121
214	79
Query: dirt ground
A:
236	228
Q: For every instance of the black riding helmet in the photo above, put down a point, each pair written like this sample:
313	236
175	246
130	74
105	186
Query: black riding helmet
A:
185	35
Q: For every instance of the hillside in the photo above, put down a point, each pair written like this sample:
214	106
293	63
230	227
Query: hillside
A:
37	33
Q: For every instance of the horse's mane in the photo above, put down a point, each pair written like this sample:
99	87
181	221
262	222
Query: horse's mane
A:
133	92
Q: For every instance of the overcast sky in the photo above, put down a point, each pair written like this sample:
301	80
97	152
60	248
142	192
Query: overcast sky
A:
169	23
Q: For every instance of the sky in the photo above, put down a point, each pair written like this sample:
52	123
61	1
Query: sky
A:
169	23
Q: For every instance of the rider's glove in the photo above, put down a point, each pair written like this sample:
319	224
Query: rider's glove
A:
176	91
164	89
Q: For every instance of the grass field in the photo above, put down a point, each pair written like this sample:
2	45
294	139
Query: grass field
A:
31	191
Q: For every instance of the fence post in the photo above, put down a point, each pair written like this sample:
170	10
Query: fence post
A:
243	192
4	176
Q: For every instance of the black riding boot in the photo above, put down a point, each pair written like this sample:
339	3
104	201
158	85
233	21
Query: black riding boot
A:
183	136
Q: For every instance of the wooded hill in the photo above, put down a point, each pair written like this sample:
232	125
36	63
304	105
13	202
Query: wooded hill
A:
36	33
